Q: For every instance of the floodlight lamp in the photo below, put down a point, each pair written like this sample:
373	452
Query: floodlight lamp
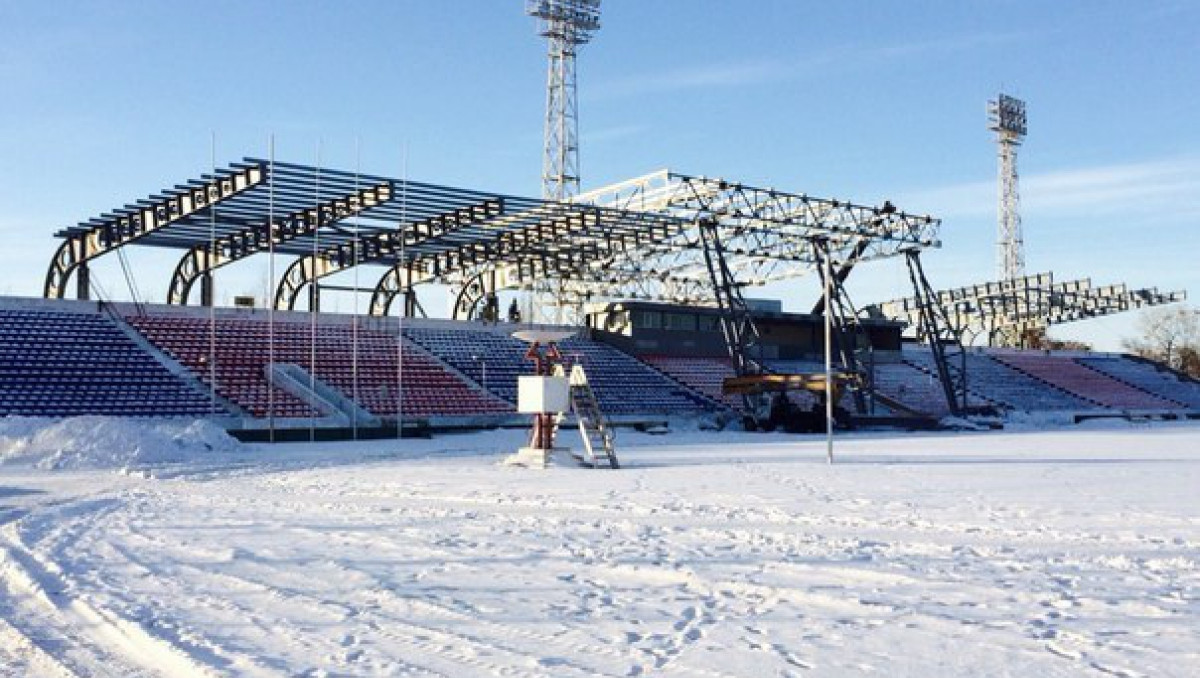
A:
572	20
1007	114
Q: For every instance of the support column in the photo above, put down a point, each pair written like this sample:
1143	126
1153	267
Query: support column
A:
83	282
206	290
410	303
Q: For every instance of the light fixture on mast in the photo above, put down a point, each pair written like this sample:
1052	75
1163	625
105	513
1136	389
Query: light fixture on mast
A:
1006	117
566	24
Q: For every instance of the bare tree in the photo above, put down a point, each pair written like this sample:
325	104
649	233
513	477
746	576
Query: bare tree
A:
1168	335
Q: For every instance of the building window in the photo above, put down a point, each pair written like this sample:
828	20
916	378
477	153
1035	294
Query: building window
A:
710	323
684	322
649	320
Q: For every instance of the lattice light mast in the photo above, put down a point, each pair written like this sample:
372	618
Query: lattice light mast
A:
1006	117
566	24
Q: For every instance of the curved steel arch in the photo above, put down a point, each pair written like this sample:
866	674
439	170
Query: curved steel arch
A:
134	222
397	282
373	247
202	259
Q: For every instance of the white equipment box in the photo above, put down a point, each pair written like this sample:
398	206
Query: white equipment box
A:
539	395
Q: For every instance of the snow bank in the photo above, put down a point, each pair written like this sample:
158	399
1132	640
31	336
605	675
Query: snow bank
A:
106	442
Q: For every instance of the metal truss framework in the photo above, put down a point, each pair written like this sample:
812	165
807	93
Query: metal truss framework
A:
377	246
1006	117
737	323
140	222
566	24
767	235
1008	312
638	239
334	220
201	260
942	335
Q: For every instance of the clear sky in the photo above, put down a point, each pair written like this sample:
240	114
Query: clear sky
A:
107	102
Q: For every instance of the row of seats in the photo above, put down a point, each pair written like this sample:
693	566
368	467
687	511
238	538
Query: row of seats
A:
990	382
1023	381
1149	377
706	375
1095	386
374	368
1035	381
623	385
913	387
58	364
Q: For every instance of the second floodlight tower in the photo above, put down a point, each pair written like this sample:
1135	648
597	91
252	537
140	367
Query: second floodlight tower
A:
566	24
1006	117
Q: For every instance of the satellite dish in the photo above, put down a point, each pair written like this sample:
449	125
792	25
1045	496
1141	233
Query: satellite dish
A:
542	336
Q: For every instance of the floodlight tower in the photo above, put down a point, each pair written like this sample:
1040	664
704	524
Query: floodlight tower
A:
566	24
1006	117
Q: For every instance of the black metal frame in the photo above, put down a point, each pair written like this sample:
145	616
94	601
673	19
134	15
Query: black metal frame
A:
944	339
142	222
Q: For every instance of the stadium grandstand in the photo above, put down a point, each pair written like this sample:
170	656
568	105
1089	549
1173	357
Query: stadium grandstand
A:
647	275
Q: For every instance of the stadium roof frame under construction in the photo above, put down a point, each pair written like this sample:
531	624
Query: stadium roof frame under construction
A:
602	242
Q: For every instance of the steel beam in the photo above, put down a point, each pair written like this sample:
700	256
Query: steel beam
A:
202	260
1006	312
130	224
307	270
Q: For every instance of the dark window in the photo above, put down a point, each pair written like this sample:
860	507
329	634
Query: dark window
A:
650	320
685	322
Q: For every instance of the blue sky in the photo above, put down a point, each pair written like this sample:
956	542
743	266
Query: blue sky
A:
108	102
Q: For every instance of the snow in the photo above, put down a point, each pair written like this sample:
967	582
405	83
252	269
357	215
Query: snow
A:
107	442
1065	552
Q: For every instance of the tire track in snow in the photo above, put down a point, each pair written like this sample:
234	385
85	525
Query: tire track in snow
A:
22	656
463	648
79	636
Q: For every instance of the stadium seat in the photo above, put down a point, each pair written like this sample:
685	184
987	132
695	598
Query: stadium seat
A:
382	373
58	364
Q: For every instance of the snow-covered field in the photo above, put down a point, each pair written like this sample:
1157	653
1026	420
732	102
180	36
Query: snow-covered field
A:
1070	552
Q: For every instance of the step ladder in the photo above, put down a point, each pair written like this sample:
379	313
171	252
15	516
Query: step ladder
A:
599	449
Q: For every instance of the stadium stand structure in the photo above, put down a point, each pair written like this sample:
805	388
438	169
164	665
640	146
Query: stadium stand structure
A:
663	238
996	383
623	385
62	358
57	363
1148	376
371	378
1062	371
701	374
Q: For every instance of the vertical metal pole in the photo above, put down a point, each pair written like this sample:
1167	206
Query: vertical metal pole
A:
212	313
313	307
270	287
404	305
354	316
828	356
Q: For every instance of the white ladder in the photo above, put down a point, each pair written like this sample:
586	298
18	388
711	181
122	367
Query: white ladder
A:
599	449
